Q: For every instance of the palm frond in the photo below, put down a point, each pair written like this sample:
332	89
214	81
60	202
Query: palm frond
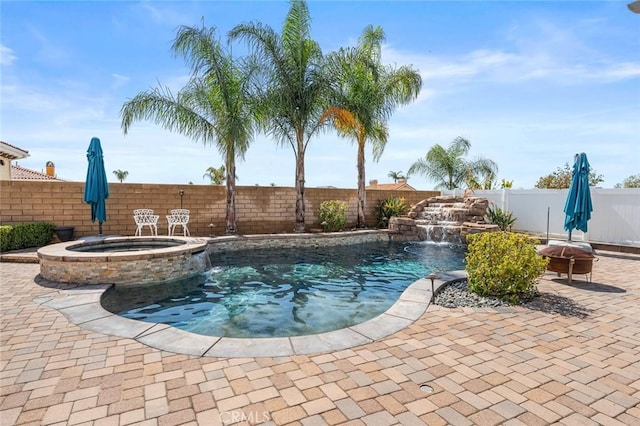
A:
296	29
459	147
379	136
161	107
370	42
343	120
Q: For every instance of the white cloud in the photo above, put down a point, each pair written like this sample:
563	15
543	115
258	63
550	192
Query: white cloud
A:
500	67
617	71
119	80
66	105
48	51
7	57
24	98
536	50
165	16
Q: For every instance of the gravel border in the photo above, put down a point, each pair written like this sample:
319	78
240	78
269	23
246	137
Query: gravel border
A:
457	295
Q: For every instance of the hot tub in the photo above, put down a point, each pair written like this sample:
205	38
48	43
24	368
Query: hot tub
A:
124	260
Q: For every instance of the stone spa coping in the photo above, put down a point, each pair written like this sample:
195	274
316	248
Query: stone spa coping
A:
123	260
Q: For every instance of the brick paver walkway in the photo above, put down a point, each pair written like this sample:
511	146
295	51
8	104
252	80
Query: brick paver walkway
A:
573	359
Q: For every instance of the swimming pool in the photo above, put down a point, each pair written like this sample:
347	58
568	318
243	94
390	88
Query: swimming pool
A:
287	292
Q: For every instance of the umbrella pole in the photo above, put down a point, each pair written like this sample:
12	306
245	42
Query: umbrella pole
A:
548	212
100	229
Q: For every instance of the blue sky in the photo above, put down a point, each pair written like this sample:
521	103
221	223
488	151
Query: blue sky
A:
529	84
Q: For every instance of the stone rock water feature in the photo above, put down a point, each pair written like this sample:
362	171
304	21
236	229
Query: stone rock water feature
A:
443	218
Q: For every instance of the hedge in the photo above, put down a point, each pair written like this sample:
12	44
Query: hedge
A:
25	235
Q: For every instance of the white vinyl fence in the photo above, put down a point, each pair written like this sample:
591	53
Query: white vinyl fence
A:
615	217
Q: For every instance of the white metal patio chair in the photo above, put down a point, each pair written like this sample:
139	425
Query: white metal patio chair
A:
178	217
145	217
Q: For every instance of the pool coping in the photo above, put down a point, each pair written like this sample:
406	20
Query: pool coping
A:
81	306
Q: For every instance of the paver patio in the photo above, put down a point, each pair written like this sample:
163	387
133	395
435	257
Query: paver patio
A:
572	359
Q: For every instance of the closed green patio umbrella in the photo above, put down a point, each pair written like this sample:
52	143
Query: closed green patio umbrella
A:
578	206
96	188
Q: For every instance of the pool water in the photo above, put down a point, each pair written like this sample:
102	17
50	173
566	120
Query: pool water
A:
287	292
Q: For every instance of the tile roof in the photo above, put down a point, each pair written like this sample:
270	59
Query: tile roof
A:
21	173
398	186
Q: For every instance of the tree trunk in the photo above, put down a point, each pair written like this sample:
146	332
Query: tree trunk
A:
299	225
231	195
362	222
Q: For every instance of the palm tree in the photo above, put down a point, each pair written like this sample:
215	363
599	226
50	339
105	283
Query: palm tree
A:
292	86
121	175
364	95
482	179
396	176
212	108
449	169
217	176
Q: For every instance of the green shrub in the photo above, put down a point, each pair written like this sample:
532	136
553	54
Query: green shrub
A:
333	215
385	209
5	237
503	219
503	264
25	235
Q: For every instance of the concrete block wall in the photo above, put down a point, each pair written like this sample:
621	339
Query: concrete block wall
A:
259	209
